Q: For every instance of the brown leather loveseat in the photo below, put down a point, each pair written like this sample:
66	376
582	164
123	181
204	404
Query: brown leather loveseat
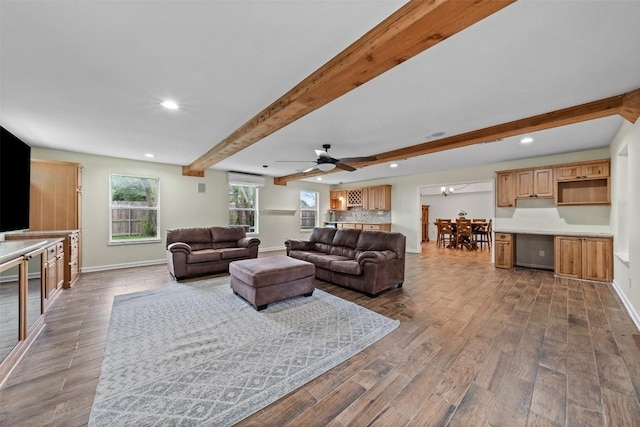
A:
198	251
364	260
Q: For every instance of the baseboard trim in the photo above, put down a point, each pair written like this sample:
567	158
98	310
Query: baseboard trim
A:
627	304
272	249
119	266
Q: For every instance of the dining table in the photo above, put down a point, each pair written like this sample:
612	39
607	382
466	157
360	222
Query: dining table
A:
475	227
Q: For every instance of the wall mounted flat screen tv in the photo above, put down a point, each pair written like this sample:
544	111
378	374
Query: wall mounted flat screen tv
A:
15	177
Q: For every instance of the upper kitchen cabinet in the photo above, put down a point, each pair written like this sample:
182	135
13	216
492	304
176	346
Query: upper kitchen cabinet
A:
338	200
585	183
534	183
585	170
506	184
377	198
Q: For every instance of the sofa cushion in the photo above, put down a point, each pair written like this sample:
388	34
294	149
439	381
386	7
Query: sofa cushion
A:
322	239
196	237
324	260
229	253
233	233
344	243
371	240
348	267
205	255
303	255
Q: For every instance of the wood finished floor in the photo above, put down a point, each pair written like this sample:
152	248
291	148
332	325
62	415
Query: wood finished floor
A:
477	346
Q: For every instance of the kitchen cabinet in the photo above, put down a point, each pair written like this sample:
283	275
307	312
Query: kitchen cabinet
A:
354	197
71	246
534	183
588	258
377	198
506	189
582	183
362	226
338	200
25	273
583	170
586	183
504	245
377	227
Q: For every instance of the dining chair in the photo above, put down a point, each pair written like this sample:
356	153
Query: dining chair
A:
482	234
445	232
464	234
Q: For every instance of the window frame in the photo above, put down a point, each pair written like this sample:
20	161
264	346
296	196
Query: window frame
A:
316	209
256	211
142	240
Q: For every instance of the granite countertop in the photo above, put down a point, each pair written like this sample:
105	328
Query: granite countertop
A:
552	232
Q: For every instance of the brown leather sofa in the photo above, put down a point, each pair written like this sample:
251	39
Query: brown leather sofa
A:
198	251
364	260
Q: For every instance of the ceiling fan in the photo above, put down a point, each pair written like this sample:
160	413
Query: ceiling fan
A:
326	163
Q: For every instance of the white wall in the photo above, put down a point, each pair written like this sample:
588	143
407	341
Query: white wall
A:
180	206
625	199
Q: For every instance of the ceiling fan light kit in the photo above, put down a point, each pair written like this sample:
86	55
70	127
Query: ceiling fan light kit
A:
326	167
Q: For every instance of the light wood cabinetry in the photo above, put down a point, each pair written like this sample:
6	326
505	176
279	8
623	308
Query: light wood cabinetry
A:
354	197
599	169
583	183
369	198
70	245
377	198
55	209
534	183
361	226
377	227
504	245
55	195
506	189
588	258
338	200
30	280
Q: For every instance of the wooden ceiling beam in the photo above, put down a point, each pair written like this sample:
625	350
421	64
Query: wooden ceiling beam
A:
627	105
413	28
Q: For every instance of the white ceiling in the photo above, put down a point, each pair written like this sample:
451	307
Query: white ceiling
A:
88	76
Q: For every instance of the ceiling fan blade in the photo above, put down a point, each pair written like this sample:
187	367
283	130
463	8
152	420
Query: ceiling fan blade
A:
321	153
345	167
358	159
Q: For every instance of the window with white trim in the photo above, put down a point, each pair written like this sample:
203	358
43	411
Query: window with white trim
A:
133	208
308	210
243	207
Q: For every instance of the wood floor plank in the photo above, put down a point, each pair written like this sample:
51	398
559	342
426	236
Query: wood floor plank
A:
476	345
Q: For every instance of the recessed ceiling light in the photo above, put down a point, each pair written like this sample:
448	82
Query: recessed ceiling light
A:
393	165
526	140
169	104
149	155
319	178
437	134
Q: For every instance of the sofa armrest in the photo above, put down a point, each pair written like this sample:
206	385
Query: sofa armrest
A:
375	256
298	245
247	242
179	247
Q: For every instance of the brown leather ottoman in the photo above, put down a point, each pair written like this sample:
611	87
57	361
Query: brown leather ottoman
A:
262	281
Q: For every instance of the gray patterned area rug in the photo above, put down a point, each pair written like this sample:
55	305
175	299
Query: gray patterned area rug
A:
196	354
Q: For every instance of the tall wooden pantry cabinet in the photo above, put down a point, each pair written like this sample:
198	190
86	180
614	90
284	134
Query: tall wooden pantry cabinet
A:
55	210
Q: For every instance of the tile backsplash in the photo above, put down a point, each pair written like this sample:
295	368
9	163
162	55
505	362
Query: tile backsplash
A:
361	215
